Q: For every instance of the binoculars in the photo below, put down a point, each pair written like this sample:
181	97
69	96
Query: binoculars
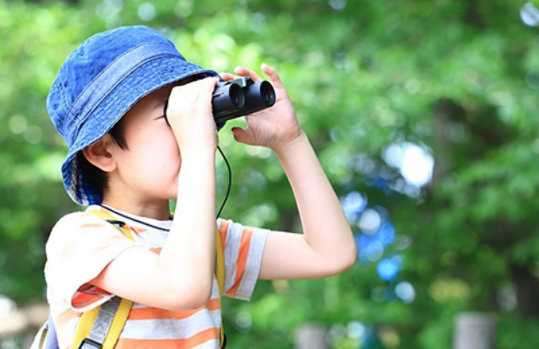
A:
241	96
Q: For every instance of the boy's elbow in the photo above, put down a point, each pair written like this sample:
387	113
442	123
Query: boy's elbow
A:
351	255
351	258
345	260
190	295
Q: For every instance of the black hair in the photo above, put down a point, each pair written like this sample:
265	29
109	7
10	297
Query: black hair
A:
93	175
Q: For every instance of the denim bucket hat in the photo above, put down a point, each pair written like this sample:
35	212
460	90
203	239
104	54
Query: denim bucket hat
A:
100	81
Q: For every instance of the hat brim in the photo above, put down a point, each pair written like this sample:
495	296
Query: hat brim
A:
145	79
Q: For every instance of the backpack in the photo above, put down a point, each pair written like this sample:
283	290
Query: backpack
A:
101	326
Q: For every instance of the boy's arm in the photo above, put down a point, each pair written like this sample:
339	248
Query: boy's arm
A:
191	241
327	246
181	276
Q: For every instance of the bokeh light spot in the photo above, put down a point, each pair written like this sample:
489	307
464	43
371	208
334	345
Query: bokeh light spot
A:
388	268
146	11
370	221
405	291
337	4
353	204
529	14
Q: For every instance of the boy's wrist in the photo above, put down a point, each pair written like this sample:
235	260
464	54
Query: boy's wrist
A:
202	151
285	147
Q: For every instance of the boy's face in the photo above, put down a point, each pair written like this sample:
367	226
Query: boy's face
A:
148	168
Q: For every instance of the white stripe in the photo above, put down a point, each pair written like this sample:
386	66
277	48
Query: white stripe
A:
153	239
170	328
211	344
214	290
253	264
233	239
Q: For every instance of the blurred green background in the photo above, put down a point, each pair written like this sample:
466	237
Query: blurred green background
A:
424	115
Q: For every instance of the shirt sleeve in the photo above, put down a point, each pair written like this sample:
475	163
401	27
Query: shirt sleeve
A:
243	249
80	246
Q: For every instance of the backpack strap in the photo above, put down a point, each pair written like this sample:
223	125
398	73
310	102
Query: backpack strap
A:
107	322
220	271
101	326
51	340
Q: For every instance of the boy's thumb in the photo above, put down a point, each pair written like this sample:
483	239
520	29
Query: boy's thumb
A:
241	135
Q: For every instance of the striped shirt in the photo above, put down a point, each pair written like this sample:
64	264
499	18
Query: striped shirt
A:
81	245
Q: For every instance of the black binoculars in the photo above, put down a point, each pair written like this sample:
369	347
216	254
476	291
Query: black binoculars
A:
241	96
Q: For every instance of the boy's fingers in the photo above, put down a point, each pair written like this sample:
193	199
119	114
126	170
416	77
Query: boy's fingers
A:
196	84
242	135
204	85
247	72
227	76
207	87
193	92
272	74
206	81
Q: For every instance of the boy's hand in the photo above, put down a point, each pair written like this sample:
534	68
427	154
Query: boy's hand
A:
189	114
272	127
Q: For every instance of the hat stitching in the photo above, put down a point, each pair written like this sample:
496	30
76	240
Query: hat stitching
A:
90	83
82	120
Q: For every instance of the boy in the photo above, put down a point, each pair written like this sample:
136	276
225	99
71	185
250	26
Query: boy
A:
125	158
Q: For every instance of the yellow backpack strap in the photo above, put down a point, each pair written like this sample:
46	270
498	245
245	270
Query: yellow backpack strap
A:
87	321
85	326
220	263
220	271
88	333
124	229
101	327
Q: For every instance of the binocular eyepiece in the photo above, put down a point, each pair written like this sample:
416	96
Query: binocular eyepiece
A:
241	96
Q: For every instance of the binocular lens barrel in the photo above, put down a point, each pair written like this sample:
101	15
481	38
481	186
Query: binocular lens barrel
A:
227	97
267	93
238	97
255	97
259	96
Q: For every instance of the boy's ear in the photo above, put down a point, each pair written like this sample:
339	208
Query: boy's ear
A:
99	155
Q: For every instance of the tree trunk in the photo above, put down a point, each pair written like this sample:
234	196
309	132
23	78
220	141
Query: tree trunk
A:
311	336
474	331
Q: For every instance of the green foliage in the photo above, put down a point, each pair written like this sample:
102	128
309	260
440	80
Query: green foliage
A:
459	78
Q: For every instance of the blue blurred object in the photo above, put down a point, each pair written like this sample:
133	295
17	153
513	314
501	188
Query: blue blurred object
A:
386	233
388	268
353	204
381	182
371	340
369	248
51	340
405	291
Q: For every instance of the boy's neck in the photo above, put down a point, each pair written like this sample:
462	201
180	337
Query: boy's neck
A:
156	209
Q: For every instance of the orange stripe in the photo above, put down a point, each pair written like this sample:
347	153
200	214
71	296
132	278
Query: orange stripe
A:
197	339
156	313
87	295
133	230
242	260
223	230
156	250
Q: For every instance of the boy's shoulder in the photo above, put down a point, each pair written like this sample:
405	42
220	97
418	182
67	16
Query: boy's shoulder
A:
73	224
80	217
